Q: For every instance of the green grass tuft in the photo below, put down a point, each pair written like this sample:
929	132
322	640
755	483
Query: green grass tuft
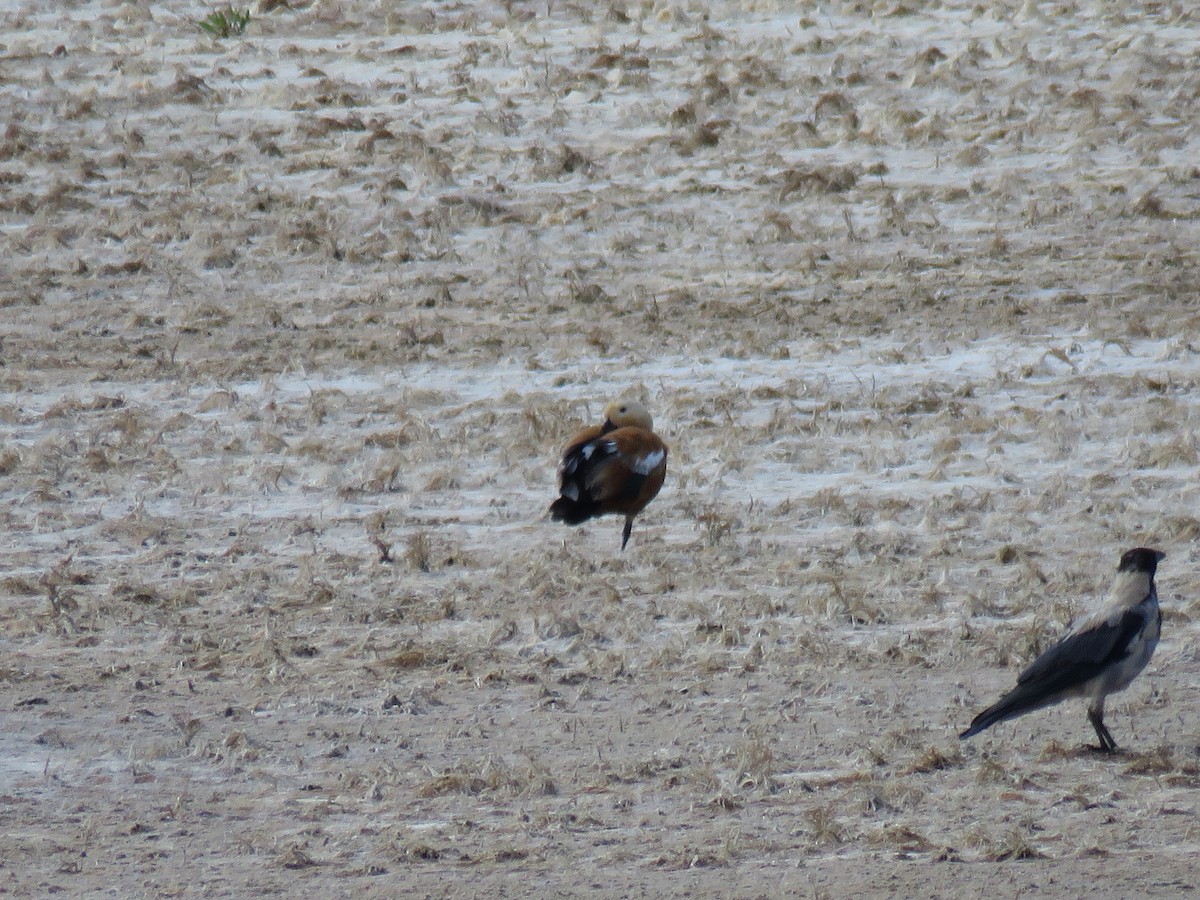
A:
227	22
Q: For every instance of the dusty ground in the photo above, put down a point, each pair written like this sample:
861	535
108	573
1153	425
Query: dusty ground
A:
294	324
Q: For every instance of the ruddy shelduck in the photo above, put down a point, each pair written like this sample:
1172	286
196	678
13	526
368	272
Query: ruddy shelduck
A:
615	467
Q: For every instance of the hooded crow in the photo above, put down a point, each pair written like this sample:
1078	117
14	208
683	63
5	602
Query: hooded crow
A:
614	467
1102	653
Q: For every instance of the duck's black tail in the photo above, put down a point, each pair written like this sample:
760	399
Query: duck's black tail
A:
573	512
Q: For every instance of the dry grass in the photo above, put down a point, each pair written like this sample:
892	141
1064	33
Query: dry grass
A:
295	333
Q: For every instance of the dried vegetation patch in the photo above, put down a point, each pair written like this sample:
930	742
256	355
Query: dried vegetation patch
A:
297	316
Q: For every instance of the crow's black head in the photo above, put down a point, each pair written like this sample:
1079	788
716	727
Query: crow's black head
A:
1141	559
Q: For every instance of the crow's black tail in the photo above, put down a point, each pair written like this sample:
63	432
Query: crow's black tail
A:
1022	699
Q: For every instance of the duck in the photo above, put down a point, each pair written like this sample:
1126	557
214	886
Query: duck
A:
616	467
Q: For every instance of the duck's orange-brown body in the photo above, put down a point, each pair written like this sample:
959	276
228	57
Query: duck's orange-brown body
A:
617	467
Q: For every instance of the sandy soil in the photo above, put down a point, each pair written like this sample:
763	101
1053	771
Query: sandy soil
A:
294	324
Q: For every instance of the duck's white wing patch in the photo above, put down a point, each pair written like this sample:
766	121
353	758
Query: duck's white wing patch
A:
647	463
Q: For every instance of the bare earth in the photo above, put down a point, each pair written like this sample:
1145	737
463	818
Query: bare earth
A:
295	323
